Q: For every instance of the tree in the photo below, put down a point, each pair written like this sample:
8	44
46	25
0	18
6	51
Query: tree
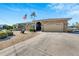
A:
7	27
33	15
77	25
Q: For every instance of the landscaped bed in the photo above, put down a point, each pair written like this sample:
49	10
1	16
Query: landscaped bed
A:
5	34
18	37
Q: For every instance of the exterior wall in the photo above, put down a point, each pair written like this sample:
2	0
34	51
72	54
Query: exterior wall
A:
28	27
52	27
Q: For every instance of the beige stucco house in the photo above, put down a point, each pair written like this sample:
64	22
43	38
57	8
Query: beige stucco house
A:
56	24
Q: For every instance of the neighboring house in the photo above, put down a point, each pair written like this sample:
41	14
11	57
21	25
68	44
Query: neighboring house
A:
20	26
57	24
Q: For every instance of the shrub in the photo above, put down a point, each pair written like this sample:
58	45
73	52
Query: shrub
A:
3	35
32	28
10	33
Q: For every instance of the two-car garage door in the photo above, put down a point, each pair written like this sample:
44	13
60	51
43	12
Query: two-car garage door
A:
53	27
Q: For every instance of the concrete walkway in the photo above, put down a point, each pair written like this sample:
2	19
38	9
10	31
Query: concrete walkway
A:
50	44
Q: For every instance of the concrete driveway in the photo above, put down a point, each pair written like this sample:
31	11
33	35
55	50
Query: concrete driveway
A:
51	44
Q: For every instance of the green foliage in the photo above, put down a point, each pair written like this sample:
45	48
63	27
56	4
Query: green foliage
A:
32	29
3	35
76	25
19	26
8	32
7	27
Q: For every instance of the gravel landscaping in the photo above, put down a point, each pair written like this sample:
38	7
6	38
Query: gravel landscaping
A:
18	37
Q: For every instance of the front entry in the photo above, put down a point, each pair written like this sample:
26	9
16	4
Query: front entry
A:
38	26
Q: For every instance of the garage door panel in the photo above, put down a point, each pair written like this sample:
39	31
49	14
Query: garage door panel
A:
53	27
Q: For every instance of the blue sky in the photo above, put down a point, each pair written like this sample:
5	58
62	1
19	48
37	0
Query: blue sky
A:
12	13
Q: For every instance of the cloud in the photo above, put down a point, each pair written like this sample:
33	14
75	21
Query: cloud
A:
69	9
56	6
61	6
74	13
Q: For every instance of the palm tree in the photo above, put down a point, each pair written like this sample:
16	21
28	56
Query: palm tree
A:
33	15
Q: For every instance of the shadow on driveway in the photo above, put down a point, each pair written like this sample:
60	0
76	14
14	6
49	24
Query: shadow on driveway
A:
75	32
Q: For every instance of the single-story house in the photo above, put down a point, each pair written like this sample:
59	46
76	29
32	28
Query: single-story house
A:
56	24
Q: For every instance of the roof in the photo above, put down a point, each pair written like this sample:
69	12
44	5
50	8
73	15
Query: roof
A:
53	19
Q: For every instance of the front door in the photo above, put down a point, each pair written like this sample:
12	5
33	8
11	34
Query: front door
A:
38	26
